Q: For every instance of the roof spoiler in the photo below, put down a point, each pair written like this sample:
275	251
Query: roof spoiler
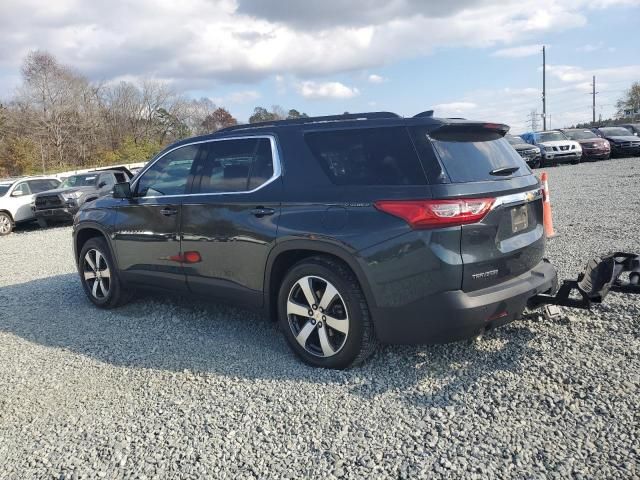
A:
499	128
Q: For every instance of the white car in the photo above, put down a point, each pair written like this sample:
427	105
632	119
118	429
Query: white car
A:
16	196
555	147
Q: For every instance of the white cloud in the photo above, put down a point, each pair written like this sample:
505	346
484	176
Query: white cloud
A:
453	108
245	96
516	52
198	43
373	78
588	48
316	90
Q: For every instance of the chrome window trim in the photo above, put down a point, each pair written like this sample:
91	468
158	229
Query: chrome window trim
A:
275	155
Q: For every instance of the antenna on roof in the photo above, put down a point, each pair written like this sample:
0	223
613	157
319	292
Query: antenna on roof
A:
426	113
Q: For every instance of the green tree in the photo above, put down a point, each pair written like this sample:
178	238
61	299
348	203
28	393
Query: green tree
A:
294	114
261	114
629	105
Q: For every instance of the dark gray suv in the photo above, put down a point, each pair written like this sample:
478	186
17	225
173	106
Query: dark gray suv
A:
349	230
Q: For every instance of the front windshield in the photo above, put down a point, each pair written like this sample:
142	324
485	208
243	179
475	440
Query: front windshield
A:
616	131
552	137
80	181
580	134
514	140
4	189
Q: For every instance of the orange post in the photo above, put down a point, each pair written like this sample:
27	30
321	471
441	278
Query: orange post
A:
546	207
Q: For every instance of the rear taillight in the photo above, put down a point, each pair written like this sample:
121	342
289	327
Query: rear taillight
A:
437	213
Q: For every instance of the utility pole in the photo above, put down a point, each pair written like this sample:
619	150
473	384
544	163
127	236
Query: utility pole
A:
533	119
594	99
544	89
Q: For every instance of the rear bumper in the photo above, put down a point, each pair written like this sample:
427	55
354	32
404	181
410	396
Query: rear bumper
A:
455	315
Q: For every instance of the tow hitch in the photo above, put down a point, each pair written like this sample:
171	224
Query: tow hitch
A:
601	276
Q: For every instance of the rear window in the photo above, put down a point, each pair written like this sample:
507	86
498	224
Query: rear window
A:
372	156
470	155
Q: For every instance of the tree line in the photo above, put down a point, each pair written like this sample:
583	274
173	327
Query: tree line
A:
59	120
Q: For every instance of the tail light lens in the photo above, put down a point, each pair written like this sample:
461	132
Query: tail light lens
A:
437	213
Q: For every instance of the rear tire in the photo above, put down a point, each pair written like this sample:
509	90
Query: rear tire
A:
324	315
99	276
6	224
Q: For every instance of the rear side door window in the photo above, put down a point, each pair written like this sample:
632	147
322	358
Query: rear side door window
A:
238	165
368	156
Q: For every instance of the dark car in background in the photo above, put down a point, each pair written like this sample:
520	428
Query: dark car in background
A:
63	203
348	229
530	154
593	147
621	140
634	128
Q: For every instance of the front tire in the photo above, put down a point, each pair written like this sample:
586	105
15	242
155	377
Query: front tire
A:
323	314
99	276
6	224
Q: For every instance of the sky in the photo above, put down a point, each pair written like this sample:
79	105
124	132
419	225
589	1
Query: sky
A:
478	59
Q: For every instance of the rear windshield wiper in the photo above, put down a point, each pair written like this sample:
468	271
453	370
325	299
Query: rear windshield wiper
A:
504	170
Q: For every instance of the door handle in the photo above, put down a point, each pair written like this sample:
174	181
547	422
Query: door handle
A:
262	211
168	211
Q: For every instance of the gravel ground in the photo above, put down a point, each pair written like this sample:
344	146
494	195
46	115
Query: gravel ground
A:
186	389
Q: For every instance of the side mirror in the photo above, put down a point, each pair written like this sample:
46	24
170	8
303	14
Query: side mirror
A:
102	184
17	193
122	190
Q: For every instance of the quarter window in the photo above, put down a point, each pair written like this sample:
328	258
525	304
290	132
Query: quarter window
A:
169	175
236	165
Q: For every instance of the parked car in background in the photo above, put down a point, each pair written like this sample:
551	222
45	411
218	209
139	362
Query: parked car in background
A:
555	147
634	128
16	196
593	147
64	202
348	229
621	140
531	154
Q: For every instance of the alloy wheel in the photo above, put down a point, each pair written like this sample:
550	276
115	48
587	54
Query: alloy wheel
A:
5	225
318	316
96	274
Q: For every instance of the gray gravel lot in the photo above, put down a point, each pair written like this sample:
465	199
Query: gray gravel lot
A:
177	388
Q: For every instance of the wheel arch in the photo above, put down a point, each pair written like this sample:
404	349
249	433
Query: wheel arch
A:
84	234
3	210
288	253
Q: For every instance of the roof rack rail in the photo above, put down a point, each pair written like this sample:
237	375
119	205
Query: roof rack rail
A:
426	113
307	120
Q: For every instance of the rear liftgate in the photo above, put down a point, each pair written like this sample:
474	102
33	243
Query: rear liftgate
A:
601	276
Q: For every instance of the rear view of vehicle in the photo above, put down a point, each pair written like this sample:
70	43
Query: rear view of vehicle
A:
593	147
474	255
444	220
